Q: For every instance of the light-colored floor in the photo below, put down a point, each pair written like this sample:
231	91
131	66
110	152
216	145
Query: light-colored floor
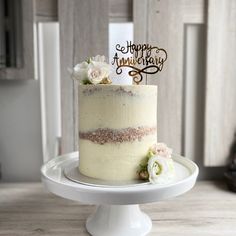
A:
27	209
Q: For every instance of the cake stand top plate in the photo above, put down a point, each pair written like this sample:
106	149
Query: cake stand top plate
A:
54	180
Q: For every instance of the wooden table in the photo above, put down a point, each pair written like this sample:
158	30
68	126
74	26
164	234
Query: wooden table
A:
27	209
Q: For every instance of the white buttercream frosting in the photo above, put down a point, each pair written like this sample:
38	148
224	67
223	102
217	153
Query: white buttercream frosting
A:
119	108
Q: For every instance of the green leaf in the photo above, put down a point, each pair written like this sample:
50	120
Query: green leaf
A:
86	81
149	154
89	60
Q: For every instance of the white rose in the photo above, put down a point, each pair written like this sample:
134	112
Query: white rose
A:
80	71
97	71
160	169
161	149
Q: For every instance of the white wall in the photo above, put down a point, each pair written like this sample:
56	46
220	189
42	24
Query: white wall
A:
20	130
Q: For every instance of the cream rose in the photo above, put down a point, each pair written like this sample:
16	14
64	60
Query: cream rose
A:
161	149
97	71
160	169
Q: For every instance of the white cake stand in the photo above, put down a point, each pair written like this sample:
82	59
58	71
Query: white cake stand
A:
118	212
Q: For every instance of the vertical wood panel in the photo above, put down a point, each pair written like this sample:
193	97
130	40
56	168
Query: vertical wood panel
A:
120	10
46	10
193	11
165	29
90	38
140	19
90	28
66	11
84	33
220	119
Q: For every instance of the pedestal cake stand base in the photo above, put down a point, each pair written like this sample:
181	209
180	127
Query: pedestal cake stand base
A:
118	212
118	220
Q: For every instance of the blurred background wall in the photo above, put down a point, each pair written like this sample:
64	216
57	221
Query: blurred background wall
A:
196	103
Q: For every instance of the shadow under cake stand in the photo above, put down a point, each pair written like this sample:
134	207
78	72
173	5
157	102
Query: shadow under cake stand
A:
118	212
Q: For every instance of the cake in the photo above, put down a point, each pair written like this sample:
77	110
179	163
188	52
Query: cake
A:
117	125
118	128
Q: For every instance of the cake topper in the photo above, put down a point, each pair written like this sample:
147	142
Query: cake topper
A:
145	59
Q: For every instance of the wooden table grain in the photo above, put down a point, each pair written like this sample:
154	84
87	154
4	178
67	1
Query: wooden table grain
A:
209	209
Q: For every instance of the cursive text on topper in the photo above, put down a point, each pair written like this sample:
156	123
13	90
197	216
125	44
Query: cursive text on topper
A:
145	59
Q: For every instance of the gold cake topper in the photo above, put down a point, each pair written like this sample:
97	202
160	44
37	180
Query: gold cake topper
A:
145	59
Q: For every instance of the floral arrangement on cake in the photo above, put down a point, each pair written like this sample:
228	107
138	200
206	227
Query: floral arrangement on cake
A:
158	166
95	70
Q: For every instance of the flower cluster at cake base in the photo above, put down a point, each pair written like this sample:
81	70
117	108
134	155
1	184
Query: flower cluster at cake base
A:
158	166
93	71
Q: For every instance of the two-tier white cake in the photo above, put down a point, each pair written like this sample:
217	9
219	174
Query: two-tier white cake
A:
117	125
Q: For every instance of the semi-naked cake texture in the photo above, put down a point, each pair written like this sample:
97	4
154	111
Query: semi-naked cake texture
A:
117	125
